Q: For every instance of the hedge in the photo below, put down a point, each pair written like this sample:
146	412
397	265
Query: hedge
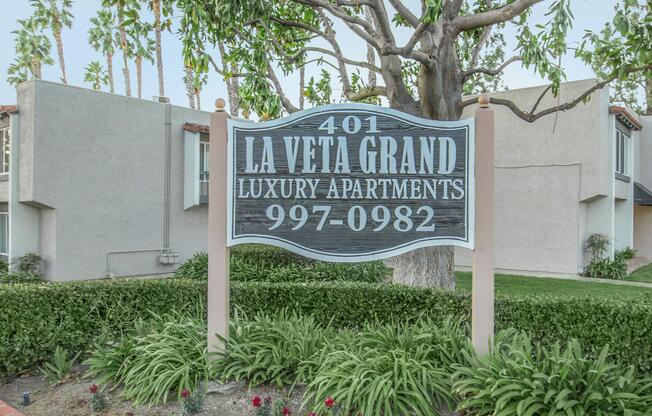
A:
257	263
34	319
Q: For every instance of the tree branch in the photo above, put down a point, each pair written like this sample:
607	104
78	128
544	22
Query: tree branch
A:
483	39
492	72
287	104
491	17
531	117
404	12
363	93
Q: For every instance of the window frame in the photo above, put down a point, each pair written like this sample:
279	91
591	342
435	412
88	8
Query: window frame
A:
622	154
5	148
5	215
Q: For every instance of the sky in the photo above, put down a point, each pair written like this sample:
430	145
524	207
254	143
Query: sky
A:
589	15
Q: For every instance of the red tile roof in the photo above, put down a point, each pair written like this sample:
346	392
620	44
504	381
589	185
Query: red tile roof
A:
6	109
627	116
195	128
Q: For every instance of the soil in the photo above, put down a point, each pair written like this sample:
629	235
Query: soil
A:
72	398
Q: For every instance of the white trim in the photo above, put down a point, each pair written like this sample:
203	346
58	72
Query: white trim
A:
191	169
468	242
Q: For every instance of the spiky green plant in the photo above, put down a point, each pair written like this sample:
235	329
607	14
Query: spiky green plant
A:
521	378
58	370
96	75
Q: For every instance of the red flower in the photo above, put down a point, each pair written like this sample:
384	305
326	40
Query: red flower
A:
256	401
329	402
93	388
185	393
268	400
286	411
312	414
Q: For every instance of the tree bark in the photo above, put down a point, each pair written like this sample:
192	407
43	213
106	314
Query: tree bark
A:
198	99
371	55
62	63
302	81
36	69
125	54
159	53
139	75
190	91
440	92
648	96
231	83
109	69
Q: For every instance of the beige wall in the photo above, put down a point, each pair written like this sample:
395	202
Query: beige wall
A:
537	216
643	230
554	182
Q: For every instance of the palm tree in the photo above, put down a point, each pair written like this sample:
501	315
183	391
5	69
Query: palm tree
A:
160	8
32	51
188	81
101	37
96	75
198	83
124	9
142	47
55	15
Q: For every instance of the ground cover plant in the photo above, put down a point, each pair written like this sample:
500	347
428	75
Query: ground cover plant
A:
165	354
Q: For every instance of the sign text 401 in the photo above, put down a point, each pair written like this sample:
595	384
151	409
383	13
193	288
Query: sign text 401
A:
356	217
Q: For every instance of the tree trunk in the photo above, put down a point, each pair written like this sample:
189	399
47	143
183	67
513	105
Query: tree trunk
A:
302	81
231	83
648	96
371	56
190	91
109	70
440	92
198	99
125	54
159	53
62	63
36	69
139	75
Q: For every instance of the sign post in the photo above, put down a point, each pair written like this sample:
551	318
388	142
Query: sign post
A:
482	309
351	183
218	252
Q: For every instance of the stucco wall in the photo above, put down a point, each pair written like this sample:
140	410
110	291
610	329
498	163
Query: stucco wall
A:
643	230
553	182
98	161
643	162
537	216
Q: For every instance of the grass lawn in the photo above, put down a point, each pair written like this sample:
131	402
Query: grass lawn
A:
524	285
642	274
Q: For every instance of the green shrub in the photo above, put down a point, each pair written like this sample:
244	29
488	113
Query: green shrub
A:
20	277
172	357
520	378
395	369
627	253
75	315
606	268
58	370
278	348
255	263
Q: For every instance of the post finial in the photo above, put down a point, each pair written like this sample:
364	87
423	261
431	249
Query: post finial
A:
219	104
483	100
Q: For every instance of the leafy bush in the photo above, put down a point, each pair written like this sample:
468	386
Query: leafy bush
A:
20	277
391	369
28	263
270	264
596	245
521	378
4	267
75	315
172	357
607	268
627	253
279	348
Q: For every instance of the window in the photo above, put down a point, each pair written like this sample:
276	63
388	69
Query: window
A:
4	233
203	170
622	153
4	150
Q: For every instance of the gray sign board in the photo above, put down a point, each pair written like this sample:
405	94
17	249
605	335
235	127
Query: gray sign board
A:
351	182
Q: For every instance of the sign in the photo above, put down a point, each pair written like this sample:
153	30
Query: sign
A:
351	182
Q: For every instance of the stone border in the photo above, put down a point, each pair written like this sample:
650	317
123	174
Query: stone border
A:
6	410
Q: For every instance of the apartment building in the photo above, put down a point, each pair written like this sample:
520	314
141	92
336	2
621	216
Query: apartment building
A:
103	185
